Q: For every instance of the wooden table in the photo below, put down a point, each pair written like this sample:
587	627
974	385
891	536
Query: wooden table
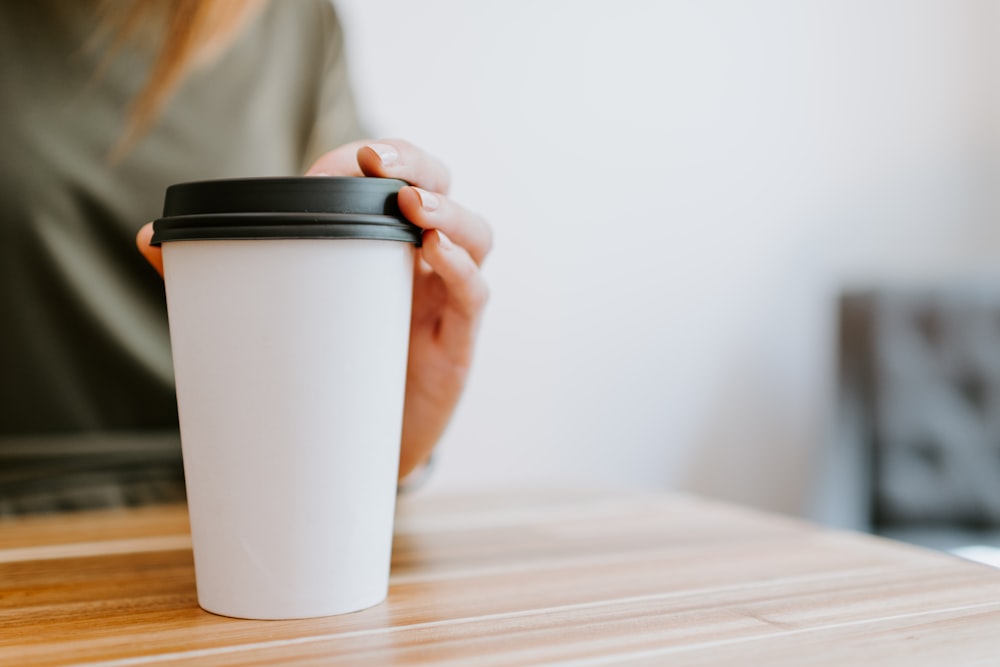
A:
574	579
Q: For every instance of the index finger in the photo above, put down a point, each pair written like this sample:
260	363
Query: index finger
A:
396	158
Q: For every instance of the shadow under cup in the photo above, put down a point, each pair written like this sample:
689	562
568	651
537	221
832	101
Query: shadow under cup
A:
289	305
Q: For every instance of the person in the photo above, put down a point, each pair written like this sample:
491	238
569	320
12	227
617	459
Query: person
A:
102	106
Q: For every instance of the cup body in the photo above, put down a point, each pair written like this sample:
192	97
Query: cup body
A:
290	362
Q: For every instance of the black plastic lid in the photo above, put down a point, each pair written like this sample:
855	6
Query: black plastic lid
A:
312	207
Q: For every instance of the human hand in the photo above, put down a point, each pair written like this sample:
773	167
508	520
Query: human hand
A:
449	291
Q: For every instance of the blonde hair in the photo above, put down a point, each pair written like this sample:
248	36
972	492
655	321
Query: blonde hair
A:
187	33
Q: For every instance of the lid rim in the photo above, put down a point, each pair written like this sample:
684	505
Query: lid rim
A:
234	226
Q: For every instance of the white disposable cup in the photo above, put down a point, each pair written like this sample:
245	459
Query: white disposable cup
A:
290	361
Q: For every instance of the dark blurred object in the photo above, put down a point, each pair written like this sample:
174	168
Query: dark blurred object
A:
920	408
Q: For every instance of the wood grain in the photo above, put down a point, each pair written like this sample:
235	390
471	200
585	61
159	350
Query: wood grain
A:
547	578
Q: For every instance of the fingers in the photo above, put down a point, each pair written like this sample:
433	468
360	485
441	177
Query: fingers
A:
433	211
341	161
457	241
152	254
395	158
467	289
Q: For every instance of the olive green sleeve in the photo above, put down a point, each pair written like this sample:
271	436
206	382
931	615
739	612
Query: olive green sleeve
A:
337	119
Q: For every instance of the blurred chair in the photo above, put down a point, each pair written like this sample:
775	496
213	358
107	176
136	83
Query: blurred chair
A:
919	412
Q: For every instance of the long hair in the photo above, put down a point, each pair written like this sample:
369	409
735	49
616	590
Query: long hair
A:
186	33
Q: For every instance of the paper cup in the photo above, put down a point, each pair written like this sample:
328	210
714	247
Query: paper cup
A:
289	306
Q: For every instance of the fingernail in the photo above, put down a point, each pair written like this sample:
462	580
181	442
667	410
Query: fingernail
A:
317	173
444	242
386	153
428	201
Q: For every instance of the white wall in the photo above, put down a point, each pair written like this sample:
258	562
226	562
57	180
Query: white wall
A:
679	189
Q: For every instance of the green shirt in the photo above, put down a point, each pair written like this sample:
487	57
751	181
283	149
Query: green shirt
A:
87	408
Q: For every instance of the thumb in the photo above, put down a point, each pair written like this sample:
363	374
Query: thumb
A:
341	161
152	254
